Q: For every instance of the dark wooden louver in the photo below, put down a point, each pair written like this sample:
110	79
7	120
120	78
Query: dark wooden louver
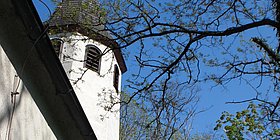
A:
93	57
56	43
116	78
85	17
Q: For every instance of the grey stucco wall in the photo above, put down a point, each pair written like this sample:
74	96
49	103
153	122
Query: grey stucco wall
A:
27	122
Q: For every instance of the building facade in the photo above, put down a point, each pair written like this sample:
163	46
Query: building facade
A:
20	118
94	72
92	63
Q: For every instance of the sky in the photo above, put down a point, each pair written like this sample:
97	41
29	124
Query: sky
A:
236	90
211	99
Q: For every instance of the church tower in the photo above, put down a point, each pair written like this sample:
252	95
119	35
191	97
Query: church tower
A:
92	61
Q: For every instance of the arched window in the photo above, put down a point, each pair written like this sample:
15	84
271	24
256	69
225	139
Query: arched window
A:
57	45
92	58
116	78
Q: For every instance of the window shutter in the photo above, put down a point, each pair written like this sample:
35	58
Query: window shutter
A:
116	78
57	44
93	57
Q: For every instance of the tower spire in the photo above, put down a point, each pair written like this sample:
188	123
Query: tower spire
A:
83	12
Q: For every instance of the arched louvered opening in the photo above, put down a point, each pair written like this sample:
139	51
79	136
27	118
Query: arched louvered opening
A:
57	45
93	58
116	78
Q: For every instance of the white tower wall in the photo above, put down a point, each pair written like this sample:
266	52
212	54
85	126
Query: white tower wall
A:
94	90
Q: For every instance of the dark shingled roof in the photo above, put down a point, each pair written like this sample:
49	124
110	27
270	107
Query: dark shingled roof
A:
85	18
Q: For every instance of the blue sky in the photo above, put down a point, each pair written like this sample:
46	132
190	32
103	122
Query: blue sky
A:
42	9
216	98
212	99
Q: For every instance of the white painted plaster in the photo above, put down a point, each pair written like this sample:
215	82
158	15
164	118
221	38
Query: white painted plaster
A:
28	123
93	89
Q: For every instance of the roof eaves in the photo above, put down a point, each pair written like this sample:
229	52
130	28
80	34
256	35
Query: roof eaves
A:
70	17
105	39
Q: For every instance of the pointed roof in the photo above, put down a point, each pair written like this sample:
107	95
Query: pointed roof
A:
86	18
79	12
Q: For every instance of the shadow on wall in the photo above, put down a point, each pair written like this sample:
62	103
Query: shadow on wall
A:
9	105
20	118
9	83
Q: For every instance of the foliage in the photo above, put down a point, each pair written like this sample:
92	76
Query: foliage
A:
205	136
168	119
248	123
